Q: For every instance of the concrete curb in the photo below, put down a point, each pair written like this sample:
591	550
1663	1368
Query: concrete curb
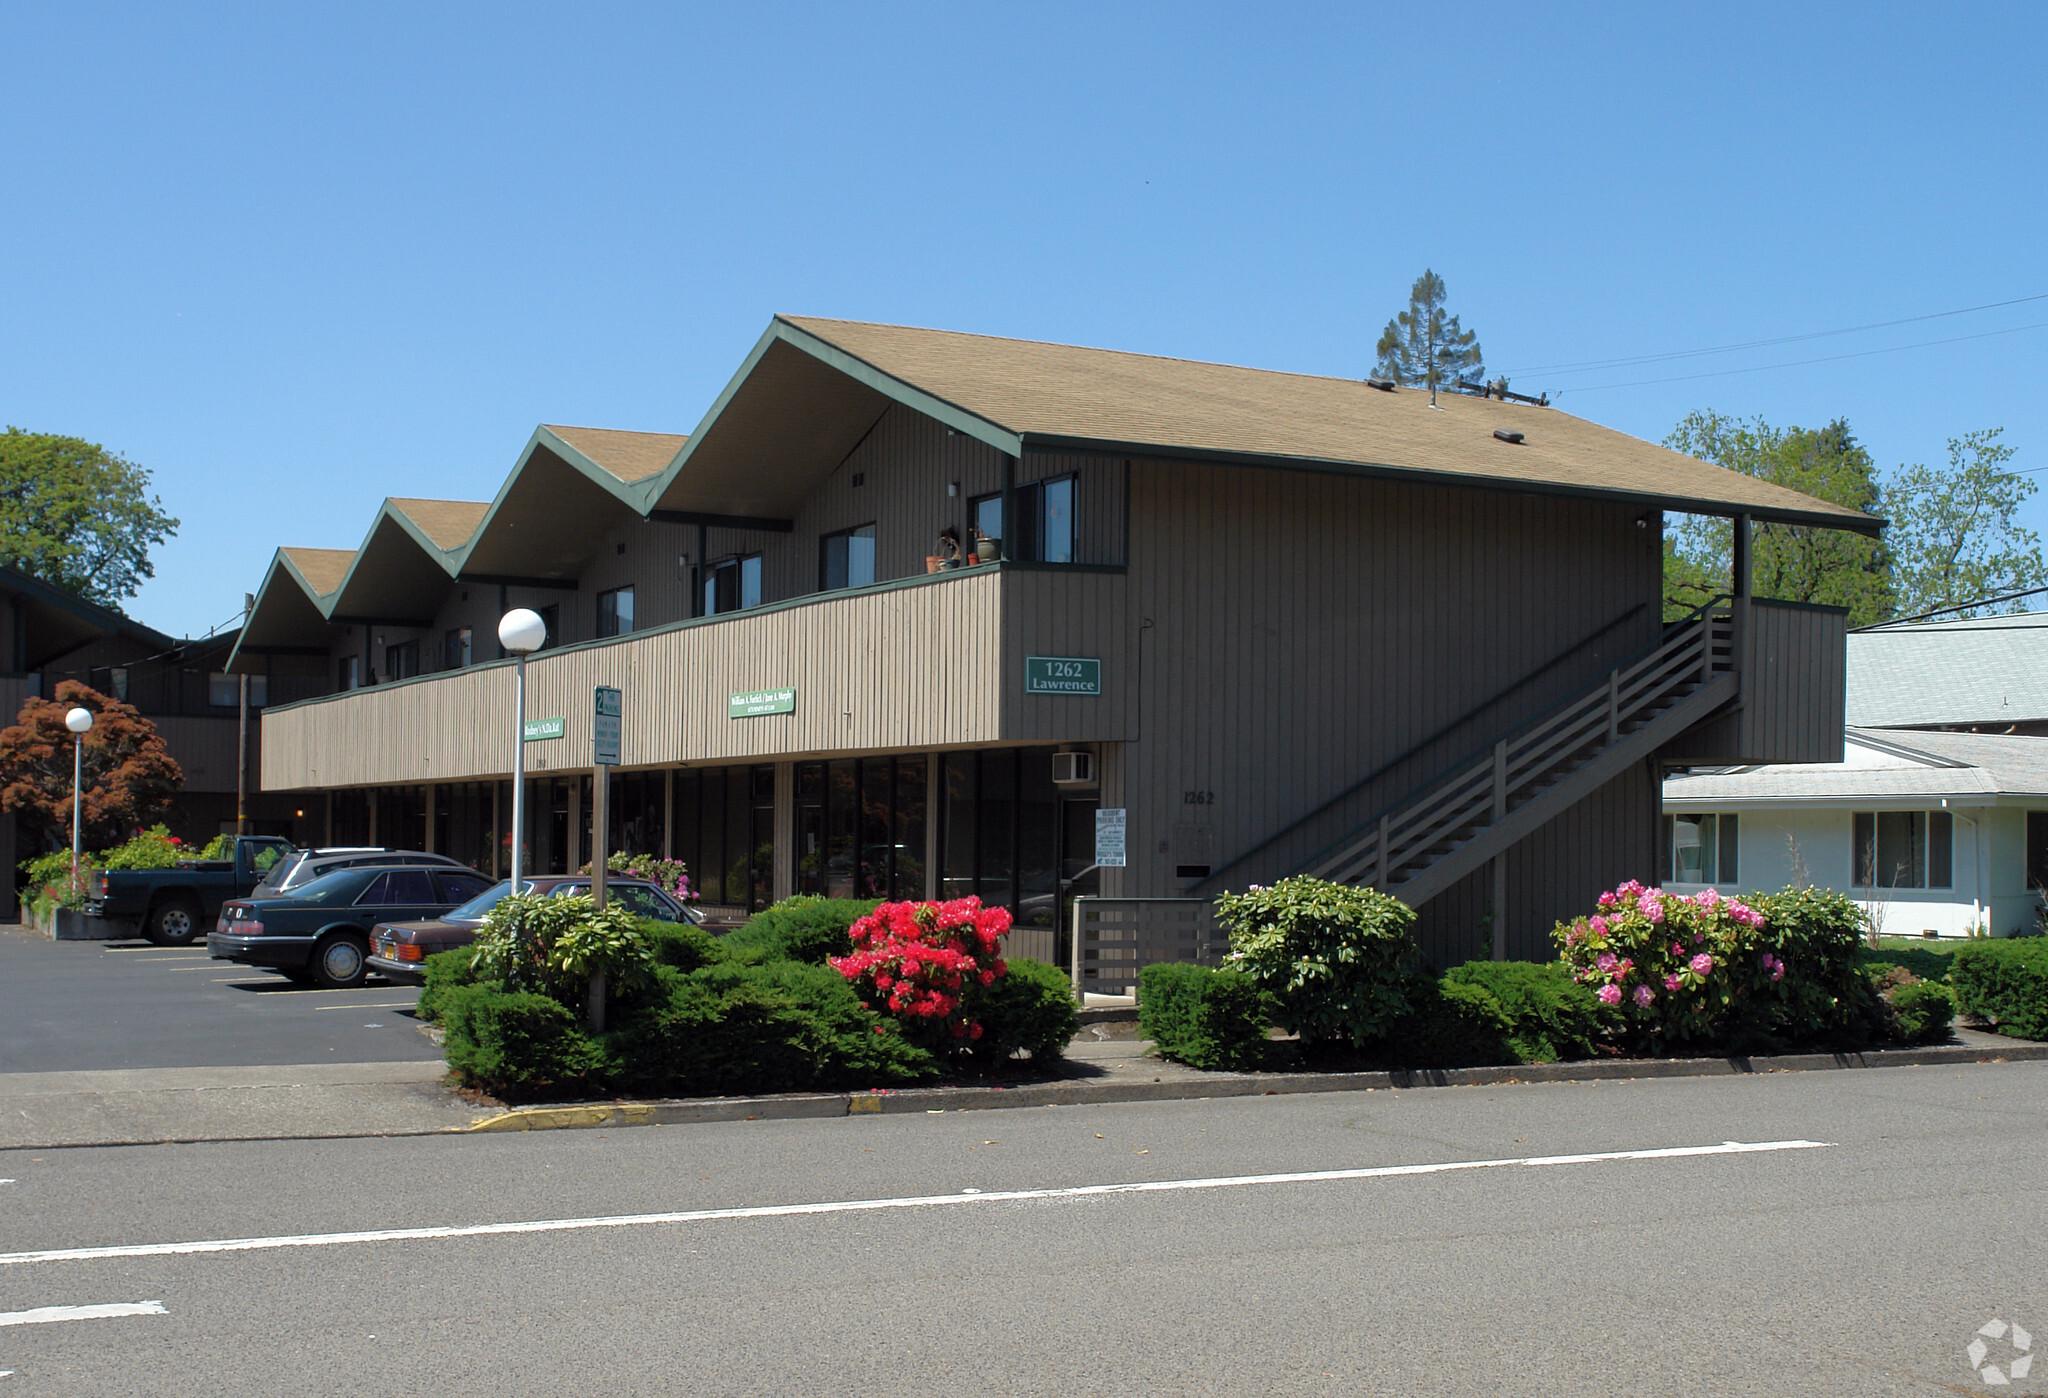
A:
1078	1092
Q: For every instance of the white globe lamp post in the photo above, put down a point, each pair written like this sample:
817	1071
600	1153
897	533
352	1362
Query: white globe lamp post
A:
521	632
79	721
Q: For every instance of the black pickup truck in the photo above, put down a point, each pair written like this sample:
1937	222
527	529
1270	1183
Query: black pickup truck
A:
173	906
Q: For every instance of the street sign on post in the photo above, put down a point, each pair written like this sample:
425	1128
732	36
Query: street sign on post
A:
604	732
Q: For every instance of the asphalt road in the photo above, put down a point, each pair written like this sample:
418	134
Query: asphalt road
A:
73	1006
1862	1265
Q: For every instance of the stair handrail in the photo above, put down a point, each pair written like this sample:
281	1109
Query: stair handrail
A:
1697	612
1217	871
1672	640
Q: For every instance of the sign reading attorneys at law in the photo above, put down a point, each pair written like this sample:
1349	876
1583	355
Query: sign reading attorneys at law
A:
1062	674
608	720
761	701
541	729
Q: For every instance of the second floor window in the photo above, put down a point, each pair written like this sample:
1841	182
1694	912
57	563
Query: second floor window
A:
349	672
1044	530
224	691
732	585
615	612
551	618
847	559
455	649
1903	849
402	661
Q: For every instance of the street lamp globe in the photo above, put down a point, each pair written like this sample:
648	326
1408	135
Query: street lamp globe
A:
522	632
79	720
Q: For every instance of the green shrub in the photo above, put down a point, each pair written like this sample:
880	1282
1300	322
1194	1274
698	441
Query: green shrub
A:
681	945
154	848
1335	956
554	945
2006	982
1030	1006
1553	1016
1818	936
1451	1024
806	929
1204	1017
517	1044
50	884
1924	1010
439	974
748	1029
219	847
1928	962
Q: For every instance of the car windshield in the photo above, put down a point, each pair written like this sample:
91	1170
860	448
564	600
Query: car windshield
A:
341	886
481	905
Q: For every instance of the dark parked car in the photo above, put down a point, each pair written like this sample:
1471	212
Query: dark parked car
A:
398	948
304	866
320	931
173	906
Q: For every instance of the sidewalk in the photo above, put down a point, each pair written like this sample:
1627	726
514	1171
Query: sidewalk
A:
1107	1063
149	1106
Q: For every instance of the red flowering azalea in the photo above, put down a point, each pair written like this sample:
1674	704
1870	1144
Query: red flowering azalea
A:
916	960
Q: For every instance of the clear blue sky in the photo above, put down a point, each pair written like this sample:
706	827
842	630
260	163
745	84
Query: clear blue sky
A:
295	258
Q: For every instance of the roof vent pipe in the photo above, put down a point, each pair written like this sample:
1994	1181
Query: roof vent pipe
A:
1511	438
1383	385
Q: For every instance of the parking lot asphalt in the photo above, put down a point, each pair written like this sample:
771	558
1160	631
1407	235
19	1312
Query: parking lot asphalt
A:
86	1006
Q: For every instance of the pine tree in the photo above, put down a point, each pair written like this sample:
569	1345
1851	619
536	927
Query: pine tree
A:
1424	345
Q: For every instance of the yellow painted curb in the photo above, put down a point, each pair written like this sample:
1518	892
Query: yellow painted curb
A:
558	1118
863	1104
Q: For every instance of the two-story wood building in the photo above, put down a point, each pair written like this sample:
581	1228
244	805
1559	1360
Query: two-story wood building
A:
910	608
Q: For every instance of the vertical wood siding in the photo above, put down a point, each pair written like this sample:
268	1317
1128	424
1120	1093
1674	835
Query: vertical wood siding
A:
898	669
1293	632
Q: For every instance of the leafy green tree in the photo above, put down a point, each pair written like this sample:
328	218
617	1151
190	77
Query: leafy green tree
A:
1425	345
1953	536
1791	562
78	516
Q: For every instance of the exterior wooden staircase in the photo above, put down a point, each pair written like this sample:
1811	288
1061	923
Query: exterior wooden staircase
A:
1422	844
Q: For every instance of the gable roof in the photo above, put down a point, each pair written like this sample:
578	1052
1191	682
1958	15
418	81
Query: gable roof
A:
319	571
631	456
1016	394
1988	670
1881	768
445	524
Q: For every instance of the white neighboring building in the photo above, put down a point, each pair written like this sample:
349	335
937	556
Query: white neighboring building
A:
1935	832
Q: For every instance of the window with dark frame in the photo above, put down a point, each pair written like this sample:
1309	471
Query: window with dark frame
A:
1902	849
732	585
847	558
1045	530
402	661
615	612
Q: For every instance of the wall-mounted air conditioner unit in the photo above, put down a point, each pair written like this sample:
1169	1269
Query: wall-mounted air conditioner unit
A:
1073	769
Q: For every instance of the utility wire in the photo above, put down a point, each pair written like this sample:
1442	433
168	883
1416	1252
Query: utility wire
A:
1796	363
1587	365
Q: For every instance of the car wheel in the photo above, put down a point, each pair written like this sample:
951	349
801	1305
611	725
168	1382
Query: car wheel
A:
338	962
173	922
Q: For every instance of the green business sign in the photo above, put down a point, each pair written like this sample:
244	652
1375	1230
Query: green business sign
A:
541	729
1062	674
761	701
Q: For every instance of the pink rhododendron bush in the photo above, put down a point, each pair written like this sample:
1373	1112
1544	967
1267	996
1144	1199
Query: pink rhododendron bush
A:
1708	971
938	970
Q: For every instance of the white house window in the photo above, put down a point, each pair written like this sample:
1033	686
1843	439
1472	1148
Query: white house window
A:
1703	848
1903	849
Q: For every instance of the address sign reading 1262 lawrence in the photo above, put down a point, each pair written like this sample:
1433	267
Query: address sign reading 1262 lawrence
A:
1062	674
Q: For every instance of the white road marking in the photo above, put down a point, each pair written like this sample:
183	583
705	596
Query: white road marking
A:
44	1315
381	1005
566	1225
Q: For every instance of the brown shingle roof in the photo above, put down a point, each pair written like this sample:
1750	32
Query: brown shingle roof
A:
322	568
1168	405
631	456
449	523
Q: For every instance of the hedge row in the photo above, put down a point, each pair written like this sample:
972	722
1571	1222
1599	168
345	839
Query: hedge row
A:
748	1014
2005	982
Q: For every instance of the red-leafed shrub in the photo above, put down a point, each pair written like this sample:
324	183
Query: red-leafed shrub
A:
922	963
